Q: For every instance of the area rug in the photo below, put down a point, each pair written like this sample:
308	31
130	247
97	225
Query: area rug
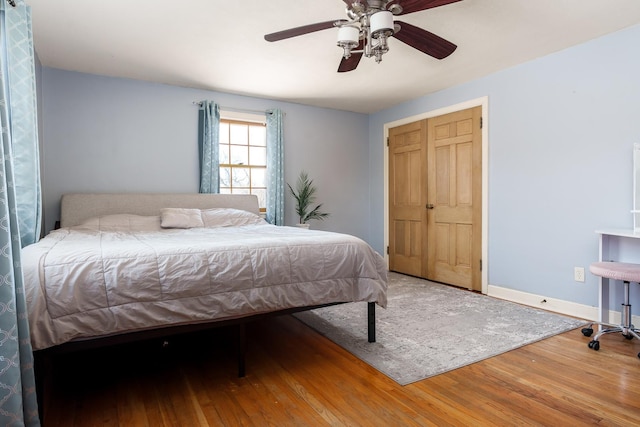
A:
430	328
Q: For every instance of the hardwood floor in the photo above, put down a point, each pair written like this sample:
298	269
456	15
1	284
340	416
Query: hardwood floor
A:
296	377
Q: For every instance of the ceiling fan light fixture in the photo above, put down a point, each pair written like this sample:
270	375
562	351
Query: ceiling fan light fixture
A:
381	24
348	35
348	38
380	28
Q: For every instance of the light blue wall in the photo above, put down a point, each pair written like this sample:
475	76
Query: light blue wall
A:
105	134
561	132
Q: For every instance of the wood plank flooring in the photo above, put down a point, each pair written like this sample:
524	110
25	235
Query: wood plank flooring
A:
296	377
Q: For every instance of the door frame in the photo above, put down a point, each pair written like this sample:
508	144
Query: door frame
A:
484	103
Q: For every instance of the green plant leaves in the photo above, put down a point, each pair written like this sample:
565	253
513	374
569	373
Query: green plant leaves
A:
304	194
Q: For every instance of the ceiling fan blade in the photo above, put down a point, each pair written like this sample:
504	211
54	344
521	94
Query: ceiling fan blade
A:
350	63
410	6
424	41
305	29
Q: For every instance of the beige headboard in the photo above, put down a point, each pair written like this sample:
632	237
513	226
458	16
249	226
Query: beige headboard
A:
78	207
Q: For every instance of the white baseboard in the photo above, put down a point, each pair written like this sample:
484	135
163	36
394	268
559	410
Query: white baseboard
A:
556	305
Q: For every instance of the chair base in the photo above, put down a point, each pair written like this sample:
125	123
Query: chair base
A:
626	328
629	332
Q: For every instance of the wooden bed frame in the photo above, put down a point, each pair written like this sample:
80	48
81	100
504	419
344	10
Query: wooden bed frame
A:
78	207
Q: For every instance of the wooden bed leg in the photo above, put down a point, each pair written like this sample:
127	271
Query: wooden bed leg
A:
242	349
371	321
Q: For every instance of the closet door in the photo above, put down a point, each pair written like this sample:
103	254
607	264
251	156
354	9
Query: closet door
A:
454	199
407	198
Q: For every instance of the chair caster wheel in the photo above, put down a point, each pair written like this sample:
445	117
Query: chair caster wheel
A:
628	336
587	332
594	345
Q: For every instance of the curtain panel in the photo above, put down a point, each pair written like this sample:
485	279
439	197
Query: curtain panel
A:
19	211
275	167
21	81
208	146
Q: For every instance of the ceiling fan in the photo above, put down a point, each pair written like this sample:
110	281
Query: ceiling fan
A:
370	24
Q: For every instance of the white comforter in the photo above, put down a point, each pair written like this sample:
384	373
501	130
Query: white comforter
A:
88	283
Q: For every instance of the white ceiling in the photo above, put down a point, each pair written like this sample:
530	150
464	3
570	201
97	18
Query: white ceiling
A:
219	45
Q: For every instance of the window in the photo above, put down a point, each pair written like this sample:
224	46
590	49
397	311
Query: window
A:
243	159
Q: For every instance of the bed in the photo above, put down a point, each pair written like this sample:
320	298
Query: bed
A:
126	267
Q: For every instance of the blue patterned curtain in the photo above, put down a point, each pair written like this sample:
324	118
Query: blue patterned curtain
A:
208	140
19	211
275	168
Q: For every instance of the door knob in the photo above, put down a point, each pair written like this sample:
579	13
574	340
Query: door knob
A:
430	206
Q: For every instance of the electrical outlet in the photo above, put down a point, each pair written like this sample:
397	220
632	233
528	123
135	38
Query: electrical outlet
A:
578	274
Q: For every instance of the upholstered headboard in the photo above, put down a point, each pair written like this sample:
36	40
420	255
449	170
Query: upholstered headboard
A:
78	207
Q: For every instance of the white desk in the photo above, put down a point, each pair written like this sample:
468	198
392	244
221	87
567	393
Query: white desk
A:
608	238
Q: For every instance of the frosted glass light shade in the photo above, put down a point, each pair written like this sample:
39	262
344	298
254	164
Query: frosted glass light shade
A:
381	22
348	36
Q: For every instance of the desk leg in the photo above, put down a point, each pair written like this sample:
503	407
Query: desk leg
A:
603	298
603	302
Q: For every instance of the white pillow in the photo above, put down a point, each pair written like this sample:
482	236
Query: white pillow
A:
180	218
121	222
227	217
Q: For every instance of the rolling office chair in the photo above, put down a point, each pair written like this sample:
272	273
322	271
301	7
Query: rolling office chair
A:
621	272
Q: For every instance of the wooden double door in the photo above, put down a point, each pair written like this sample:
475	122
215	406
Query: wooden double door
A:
435	199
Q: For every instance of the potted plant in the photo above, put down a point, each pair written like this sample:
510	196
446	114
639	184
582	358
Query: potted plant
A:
304	194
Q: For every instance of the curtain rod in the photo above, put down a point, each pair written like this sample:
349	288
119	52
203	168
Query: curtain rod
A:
237	110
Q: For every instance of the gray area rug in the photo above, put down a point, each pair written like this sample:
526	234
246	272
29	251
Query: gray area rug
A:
429	328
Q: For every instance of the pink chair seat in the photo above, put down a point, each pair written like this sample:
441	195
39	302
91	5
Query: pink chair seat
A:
622	271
